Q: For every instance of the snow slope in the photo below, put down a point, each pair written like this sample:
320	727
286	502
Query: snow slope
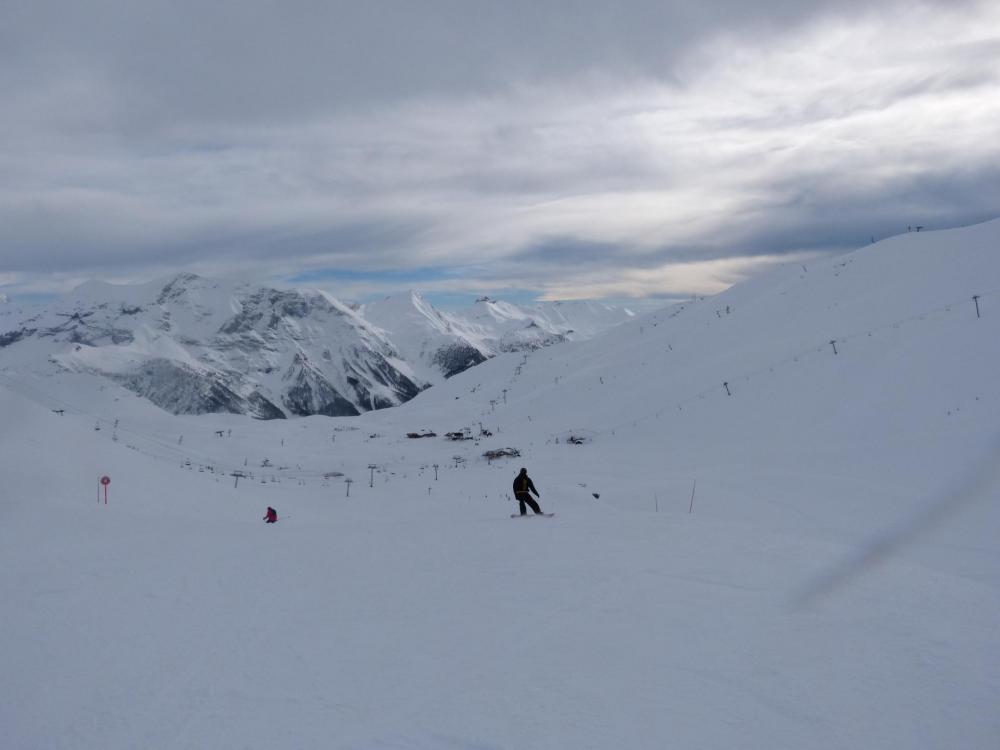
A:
440	345
503	327
808	561
434	344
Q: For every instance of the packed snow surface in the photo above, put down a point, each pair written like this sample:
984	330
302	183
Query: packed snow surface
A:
775	526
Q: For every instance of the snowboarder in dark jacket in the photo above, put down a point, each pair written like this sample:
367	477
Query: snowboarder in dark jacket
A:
522	487
271	516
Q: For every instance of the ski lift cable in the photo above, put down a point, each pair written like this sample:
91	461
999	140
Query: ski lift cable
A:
945	308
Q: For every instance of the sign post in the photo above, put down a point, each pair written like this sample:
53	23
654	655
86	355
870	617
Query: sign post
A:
105	480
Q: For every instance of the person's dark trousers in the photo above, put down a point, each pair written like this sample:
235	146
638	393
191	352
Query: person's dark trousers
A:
524	497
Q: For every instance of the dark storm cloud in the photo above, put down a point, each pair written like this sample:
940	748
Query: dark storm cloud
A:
269	57
570	142
821	217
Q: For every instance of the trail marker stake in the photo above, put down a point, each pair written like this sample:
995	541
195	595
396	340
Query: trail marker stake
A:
105	480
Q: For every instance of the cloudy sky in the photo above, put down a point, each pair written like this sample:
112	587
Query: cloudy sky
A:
550	148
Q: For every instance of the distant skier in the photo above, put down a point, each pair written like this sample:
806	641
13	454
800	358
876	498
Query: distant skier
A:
522	486
271	516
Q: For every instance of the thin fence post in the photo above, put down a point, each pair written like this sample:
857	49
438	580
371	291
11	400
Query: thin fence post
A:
975	298
694	484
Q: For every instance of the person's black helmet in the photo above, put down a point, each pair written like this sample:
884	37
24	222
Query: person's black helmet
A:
523	470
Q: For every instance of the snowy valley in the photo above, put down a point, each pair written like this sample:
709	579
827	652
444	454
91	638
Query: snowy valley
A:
775	517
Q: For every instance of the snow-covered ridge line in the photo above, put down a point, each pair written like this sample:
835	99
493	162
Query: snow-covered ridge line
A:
195	345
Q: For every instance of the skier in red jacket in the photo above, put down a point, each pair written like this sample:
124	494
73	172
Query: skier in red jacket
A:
271	516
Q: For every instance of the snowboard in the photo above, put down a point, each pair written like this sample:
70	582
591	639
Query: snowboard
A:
530	515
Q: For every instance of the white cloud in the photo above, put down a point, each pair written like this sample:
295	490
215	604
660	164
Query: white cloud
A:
679	279
753	147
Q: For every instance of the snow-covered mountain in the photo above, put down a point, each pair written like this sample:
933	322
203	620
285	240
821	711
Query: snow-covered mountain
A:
194	345
441	344
433	342
509	328
775	526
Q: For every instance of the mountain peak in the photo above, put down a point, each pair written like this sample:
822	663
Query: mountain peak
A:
194	344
